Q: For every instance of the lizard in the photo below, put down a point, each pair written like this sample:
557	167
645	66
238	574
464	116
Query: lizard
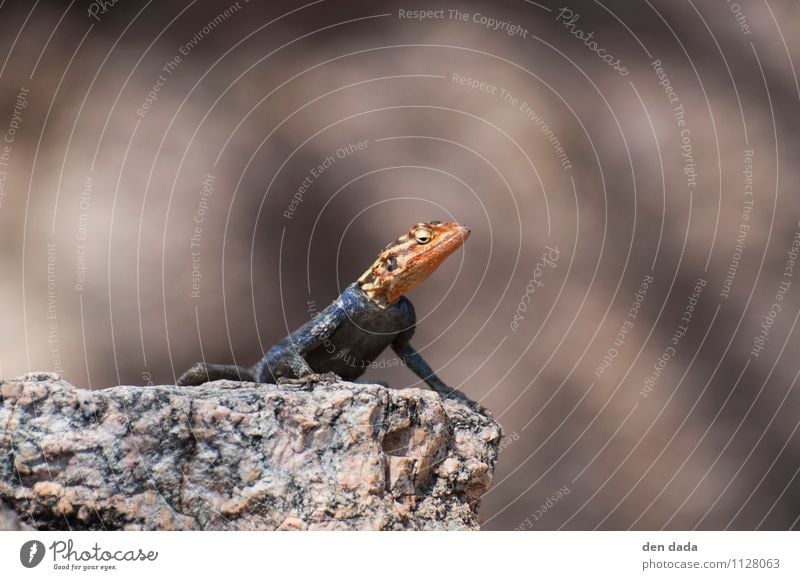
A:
370	315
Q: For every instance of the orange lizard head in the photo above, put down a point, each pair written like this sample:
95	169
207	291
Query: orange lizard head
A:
407	262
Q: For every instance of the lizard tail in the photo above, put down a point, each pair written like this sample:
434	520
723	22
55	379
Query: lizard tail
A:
204	372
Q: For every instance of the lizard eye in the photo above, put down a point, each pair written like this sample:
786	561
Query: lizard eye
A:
422	236
391	264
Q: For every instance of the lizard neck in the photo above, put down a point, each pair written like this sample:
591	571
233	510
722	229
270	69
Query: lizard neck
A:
375	286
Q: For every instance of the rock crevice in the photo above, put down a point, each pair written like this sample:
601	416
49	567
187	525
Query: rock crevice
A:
230	455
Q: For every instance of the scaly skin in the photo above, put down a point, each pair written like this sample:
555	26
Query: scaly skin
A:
371	314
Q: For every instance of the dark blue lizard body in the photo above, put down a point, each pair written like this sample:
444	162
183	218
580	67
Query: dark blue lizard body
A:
345	338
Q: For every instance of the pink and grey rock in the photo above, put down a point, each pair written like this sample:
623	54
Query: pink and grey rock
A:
245	456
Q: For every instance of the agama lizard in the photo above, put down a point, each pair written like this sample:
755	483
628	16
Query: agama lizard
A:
370	315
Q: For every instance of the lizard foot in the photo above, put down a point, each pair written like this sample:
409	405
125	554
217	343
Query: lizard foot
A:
457	395
383	384
328	377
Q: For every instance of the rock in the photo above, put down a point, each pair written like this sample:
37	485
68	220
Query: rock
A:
230	455
10	522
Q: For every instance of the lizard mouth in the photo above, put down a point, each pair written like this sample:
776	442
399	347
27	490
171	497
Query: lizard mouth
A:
455	237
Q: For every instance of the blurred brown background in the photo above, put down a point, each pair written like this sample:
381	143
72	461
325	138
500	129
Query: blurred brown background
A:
102	187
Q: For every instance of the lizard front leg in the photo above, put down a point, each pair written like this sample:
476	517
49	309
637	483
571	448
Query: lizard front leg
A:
416	363
304	374
285	363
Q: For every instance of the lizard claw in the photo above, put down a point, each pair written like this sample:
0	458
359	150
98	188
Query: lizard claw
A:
456	395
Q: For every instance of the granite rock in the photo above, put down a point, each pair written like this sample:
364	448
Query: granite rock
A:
230	455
